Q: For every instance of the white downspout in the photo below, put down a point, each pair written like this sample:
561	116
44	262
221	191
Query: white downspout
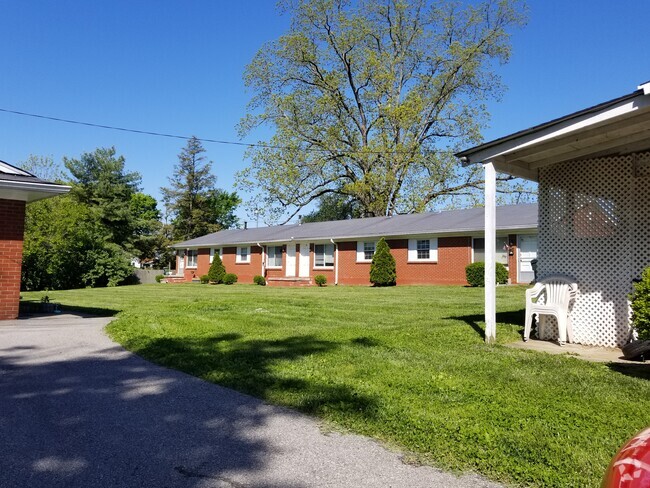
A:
336	262
490	253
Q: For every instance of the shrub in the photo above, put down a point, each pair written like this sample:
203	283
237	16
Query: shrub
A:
217	270
641	306
475	274
204	279
259	280
382	268
229	278
320	280
159	278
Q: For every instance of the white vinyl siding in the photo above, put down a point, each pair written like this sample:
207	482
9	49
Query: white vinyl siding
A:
243	254
323	255
365	251
192	255
274	257
423	250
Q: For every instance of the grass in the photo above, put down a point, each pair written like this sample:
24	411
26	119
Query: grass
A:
406	365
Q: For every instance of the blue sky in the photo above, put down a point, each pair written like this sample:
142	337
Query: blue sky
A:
176	67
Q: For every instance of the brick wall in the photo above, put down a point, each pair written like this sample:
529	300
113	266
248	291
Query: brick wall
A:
454	253
12	219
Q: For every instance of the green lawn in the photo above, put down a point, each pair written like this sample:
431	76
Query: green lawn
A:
406	365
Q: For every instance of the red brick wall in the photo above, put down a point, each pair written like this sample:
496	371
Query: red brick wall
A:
12	226
454	253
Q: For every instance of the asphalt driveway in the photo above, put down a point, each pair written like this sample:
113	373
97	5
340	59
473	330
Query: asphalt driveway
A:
77	410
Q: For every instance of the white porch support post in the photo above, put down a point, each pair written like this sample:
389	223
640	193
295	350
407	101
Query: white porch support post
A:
490	253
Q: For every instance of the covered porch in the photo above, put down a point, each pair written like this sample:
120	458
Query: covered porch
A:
593	170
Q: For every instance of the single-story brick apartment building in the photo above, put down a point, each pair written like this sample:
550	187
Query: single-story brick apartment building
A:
429	248
17	188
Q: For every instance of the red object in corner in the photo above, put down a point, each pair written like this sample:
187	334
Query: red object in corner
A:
630	468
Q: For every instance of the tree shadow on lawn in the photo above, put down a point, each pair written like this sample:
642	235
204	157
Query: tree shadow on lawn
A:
641	370
248	366
32	308
515	317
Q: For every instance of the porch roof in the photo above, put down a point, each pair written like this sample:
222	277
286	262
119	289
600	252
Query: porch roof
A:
18	184
617	127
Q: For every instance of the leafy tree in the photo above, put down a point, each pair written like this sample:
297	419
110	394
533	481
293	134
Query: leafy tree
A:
370	99
382	269
217	270
334	207
101	183
148	239
640	302
45	168
196	206
66	246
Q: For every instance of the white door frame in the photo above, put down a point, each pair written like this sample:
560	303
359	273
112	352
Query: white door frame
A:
519	236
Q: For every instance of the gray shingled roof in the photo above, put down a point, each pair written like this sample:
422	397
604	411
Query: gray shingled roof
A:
9	172
509	217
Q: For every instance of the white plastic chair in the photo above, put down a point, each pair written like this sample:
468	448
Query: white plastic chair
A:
558	292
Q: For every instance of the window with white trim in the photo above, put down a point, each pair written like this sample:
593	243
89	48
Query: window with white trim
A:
192	255
365	250
243	254
323	255
274	257
423	250
501	248
213	251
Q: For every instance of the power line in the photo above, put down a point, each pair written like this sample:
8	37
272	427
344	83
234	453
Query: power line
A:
177	136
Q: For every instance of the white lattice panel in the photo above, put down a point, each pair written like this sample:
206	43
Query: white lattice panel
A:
594	225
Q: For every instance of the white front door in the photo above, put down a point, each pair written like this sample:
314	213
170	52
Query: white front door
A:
527	246
304	260
181	262
291	260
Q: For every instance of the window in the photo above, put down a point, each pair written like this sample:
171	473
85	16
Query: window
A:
323	255
501	250
274	257
213	251
423	247
365	250
243	254
191	258
423	250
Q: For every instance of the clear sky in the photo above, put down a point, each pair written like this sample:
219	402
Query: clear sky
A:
176	67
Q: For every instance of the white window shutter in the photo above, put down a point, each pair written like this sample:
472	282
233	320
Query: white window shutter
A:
211	254
433	250
360	254
413	250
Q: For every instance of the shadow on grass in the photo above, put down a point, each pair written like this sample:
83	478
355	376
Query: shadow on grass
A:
641	370
32	308
515	317
249	366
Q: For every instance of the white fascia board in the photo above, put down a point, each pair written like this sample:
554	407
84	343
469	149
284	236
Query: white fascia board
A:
645	87
30	192
624	108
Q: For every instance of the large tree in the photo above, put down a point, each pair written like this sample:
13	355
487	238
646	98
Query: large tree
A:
195	205
101	182
369	99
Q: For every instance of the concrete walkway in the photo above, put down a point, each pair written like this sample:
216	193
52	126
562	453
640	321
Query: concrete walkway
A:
77	410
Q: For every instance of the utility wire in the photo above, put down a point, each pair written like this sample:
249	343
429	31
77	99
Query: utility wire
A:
176	136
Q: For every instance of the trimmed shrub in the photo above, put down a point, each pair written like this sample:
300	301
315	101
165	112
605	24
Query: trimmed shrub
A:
320	280
229	278
641	306
217	270
475	274
204	279
159	278
382	268
259	280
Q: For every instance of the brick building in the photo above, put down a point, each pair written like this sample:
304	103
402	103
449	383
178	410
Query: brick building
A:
429	248
17	188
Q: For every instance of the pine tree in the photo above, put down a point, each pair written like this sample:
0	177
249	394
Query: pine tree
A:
382	268
217	270
196	206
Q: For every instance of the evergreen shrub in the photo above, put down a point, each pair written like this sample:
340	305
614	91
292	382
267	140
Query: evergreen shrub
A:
159	278
204	279
475	274
217	270
382	268
259	280
320	280
229	279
